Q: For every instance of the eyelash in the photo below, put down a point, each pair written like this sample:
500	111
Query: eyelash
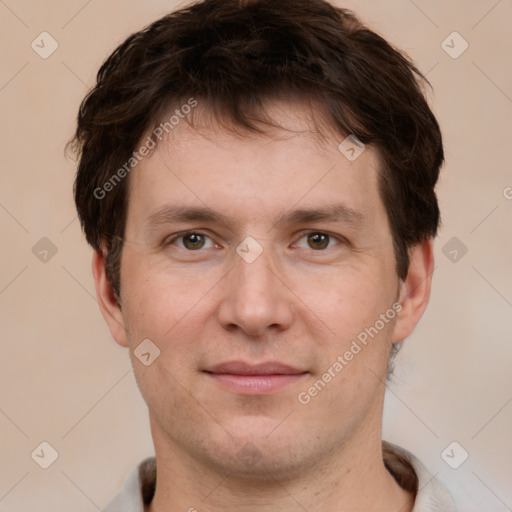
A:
170	241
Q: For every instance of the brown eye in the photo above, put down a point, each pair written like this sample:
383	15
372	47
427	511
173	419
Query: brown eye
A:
193	241
318	241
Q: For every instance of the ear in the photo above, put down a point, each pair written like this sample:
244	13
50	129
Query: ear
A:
415	289
109	307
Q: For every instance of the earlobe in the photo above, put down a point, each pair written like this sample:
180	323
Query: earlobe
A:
109	306
415	289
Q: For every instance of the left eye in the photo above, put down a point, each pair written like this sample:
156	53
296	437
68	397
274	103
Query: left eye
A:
317	241
193	241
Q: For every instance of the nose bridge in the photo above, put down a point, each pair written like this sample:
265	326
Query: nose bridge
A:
255	276
254	297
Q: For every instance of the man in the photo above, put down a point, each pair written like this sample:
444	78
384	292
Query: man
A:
257	181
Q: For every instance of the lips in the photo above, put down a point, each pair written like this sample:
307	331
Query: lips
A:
242	368
254	379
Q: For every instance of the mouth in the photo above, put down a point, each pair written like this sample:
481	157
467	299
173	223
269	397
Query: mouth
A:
254	379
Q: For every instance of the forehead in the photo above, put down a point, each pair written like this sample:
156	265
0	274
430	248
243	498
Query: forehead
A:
295	161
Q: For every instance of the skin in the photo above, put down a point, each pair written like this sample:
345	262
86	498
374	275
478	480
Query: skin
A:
295	304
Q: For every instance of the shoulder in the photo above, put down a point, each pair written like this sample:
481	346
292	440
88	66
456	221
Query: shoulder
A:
137	490
411	474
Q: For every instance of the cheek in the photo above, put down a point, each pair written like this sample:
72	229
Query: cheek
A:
172	310
349	300
156	298
164	311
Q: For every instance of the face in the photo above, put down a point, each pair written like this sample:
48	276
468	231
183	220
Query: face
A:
256	265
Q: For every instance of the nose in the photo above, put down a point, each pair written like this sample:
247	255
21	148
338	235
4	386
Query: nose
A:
255	297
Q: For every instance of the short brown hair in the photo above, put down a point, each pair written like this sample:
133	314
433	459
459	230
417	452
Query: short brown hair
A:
233	56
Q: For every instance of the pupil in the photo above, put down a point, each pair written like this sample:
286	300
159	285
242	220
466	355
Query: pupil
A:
193	241
318	240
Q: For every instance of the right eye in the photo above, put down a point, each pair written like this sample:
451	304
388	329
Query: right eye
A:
191	241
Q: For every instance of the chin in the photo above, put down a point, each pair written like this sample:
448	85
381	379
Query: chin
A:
260	452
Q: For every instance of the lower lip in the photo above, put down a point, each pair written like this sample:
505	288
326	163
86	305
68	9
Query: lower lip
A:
255	384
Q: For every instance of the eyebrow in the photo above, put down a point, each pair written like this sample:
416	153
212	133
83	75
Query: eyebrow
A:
174	214
330	213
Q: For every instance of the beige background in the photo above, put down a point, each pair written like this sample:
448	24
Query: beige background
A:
64	381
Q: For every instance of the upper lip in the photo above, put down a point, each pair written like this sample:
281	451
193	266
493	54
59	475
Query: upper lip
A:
242	368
